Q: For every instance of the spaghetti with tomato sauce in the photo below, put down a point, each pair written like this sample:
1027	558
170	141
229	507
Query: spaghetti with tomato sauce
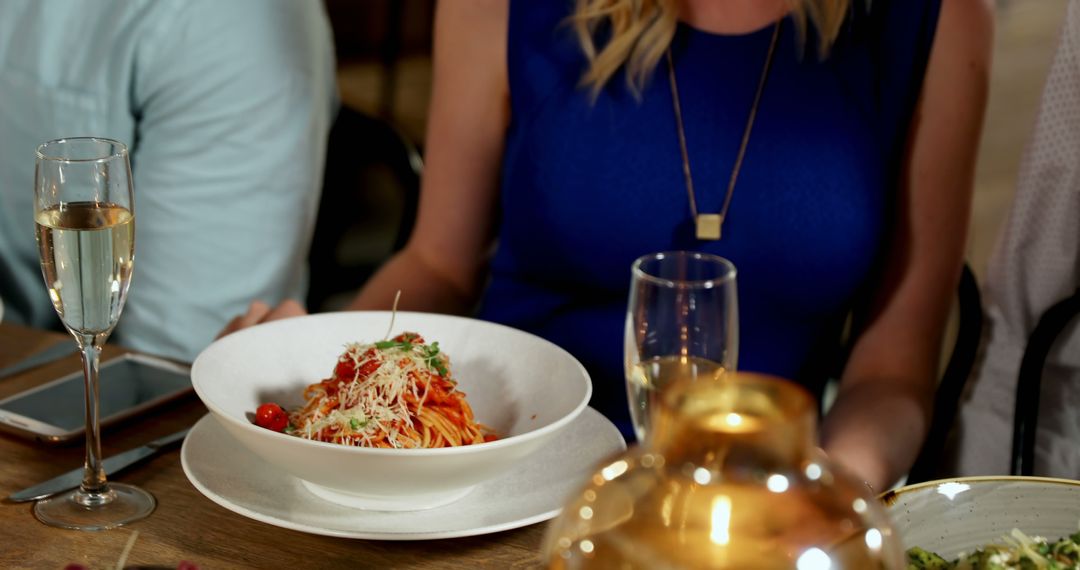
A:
396	393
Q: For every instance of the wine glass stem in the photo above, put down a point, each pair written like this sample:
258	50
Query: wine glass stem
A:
94	489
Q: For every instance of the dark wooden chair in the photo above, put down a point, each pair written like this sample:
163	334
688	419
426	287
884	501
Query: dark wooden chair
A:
951	386
371	188
930	462
1029	381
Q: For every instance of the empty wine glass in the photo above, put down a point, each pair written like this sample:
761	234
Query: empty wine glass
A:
682	322
83	209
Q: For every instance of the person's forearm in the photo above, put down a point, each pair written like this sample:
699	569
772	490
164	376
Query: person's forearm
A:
875	431
422	288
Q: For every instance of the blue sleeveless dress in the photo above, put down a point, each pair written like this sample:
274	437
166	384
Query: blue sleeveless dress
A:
587	186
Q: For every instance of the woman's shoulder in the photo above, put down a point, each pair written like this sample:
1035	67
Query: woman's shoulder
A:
540	12
907	18
907	30
897	34
542	45
540	20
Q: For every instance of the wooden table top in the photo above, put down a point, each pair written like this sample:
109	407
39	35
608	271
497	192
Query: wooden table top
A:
187	526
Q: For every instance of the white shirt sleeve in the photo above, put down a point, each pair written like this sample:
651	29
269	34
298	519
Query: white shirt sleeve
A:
233	101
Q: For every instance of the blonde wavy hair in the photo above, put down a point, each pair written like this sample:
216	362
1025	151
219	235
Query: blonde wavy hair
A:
641	31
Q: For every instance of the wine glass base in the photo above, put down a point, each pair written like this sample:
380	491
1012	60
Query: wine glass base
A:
128	505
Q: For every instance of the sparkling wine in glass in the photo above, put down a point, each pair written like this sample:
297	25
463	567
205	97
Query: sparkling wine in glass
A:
681	323
83	210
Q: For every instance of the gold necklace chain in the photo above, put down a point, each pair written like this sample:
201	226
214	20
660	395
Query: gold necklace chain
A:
709	226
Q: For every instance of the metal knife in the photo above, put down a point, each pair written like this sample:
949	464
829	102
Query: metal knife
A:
113	464
54	352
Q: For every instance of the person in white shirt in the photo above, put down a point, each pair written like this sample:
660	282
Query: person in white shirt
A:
1036	263
225	106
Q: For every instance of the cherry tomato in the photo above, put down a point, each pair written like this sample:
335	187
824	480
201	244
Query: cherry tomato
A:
409	337
367	368
347	372
272	417
345	369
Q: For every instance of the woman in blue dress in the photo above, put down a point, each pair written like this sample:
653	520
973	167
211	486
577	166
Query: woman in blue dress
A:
554	140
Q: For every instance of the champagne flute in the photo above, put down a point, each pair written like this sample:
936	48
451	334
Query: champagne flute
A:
681	322
83	209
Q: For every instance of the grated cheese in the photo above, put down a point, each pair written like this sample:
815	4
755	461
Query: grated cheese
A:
376	404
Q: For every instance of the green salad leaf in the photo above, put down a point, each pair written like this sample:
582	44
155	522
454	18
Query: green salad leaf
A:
1017	552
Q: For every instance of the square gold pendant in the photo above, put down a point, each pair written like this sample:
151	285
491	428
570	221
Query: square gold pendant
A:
708	226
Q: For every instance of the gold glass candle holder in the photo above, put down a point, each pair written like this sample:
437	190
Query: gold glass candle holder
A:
730	478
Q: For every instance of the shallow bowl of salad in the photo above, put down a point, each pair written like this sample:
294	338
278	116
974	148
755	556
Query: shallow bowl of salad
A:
387	411
989	523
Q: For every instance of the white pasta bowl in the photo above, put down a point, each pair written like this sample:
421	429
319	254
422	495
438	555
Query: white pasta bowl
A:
955	516
523	387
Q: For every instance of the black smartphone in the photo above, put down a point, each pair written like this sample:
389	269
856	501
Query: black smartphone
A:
129	384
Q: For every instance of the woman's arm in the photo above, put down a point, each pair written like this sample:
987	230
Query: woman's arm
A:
443	265
883	408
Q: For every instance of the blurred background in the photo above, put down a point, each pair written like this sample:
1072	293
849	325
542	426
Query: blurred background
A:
384	58
384	49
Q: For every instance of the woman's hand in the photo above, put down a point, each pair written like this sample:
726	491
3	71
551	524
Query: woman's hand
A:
259	312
